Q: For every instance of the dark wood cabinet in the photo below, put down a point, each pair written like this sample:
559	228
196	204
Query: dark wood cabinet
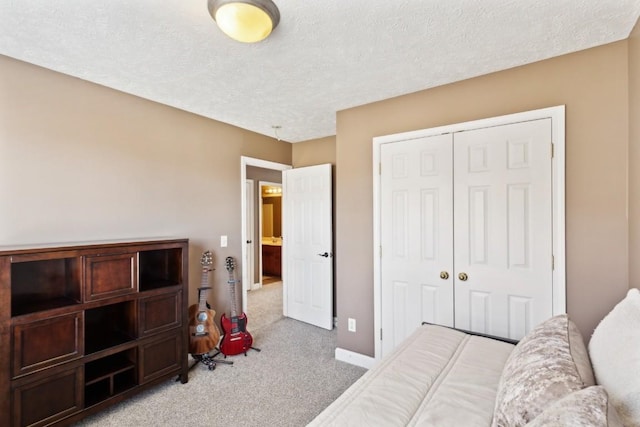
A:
159	356
41	400
47	342
83	326
272	260
110	275
159	313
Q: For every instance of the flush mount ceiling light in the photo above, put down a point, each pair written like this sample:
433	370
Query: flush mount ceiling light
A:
247	21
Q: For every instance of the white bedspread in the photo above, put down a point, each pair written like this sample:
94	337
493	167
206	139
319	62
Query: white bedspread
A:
436	377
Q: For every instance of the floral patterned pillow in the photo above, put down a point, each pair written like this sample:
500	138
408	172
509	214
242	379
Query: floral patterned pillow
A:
546	365
587	407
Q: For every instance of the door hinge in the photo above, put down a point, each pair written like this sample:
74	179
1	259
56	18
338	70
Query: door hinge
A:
380	334
553	150
380	251
380	168
553	262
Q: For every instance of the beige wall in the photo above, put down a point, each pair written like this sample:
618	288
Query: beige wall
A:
314	152
80	162
634	158
593	86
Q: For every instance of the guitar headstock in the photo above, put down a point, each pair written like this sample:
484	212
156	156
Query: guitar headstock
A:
230	263
207	259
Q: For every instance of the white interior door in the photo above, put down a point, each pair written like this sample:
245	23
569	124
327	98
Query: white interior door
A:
416	236
503	228
308	244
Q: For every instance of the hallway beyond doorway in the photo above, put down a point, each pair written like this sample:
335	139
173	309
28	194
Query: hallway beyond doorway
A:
264	305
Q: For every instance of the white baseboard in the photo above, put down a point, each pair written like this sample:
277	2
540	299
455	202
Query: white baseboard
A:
355	358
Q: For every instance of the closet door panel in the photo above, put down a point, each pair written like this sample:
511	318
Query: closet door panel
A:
416	236
503	228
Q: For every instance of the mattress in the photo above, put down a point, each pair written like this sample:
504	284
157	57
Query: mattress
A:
436	377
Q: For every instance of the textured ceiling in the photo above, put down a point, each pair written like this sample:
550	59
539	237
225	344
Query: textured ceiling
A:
325	56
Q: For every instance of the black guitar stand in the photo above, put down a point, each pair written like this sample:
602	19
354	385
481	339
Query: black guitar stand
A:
208	360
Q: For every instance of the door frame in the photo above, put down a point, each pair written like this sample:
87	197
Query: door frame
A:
557	116
249	225
265	164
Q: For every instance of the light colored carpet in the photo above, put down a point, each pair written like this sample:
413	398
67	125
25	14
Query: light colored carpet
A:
288	383
264	306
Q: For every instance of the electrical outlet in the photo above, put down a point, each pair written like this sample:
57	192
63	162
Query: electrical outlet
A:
223	241
351	325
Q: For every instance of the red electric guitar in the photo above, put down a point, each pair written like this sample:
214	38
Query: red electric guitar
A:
236	338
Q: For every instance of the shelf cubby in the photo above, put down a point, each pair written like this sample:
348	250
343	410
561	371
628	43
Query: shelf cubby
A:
109	376
160	268
44	285
109	325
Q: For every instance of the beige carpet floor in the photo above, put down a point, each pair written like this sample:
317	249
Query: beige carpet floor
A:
288	383
264	306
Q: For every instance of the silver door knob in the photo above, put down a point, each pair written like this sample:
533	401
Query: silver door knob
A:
463	277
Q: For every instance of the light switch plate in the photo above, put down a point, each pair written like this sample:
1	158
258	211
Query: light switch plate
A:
223	241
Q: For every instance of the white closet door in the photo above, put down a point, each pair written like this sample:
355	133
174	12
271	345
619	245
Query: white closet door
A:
503	228
416	236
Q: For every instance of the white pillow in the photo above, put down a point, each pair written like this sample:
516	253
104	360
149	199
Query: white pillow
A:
615	354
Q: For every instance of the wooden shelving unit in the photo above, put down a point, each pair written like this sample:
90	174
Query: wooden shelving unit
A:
83	326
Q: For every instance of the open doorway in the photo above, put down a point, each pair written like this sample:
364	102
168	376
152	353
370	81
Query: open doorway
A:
270	225
307	244
270	301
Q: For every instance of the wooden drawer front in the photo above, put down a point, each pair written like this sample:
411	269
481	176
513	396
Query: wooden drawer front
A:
48	399
160	356
159	313
47	342
110	275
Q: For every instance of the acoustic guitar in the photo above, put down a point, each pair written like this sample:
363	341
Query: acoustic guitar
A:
236	339
204	335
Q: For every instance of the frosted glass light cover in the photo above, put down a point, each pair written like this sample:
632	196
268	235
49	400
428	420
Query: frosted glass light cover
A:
244	22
